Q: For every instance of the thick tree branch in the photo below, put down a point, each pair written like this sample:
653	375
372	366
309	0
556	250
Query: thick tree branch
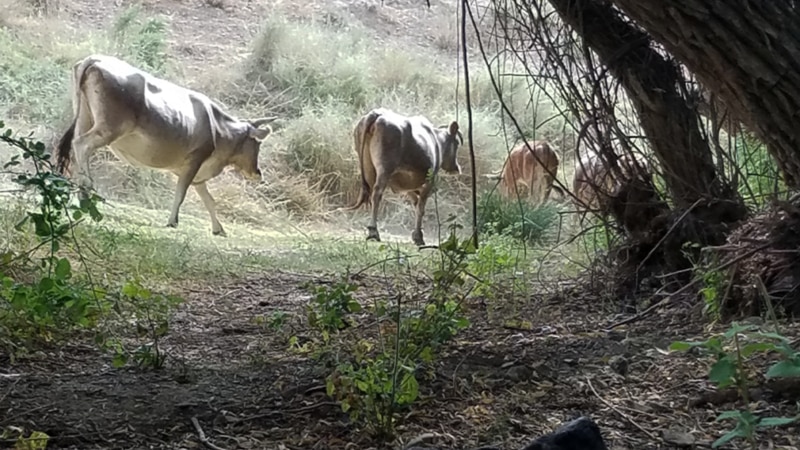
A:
652	82
746	52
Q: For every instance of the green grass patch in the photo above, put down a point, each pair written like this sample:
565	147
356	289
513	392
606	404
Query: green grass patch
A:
518	219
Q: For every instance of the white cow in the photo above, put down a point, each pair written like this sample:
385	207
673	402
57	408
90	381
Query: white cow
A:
151	122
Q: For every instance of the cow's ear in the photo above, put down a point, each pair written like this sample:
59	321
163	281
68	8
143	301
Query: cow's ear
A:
260	134
453	129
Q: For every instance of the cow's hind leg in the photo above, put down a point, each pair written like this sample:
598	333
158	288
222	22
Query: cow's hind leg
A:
97	125
211	207
84	146
381	181
424	193
184	181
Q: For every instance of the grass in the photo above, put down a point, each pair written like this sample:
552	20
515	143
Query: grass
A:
517	219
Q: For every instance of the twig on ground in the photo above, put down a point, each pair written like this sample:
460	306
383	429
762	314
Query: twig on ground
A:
287	411
620	413
202	436
10	388
419	439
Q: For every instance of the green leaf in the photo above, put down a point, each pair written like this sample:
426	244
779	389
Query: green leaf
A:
131	289
789	368
775	336
63	269
775	421
723	372
41	227
727	437
729	415
409	389
354	306
736	328
120	359
682	346
757	347
363	386
426	355
330	388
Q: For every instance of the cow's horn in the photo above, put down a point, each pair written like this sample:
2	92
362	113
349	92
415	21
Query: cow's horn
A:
263	121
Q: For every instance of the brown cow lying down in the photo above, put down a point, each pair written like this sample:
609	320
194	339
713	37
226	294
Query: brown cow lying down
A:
594	182
401	152
530	171
151	122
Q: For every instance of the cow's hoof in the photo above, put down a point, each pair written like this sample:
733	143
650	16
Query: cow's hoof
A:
220	233
372	234
417	238
172	224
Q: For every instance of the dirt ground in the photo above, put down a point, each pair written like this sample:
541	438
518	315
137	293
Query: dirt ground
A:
494	384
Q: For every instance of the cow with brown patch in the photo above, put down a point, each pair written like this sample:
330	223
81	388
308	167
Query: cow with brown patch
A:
529	172
405	154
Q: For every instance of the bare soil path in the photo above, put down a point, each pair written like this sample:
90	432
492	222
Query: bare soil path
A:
494	385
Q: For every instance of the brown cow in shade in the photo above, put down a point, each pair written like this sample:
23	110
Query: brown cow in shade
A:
529	172
405	154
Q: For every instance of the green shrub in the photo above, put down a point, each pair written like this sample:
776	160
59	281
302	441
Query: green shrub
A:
54	302
734	352
319	145
29	83
758	170
142	43
314	64
518	219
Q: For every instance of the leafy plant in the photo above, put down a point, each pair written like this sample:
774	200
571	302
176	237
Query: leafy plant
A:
375	381
141	42
330	306
493	263
732	351
37	440
517	219
369	390
713	280
57	302
150	316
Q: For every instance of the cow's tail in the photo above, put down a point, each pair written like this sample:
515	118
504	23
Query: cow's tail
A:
360	142
64	155
65	148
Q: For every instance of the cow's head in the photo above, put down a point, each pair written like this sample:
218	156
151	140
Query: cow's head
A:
246	159
450	150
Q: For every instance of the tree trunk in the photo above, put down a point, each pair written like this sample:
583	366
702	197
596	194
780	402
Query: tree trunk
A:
747	52
652	83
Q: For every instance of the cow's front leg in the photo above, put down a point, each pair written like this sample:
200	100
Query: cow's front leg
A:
211	207
424	193
381	181
184	180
